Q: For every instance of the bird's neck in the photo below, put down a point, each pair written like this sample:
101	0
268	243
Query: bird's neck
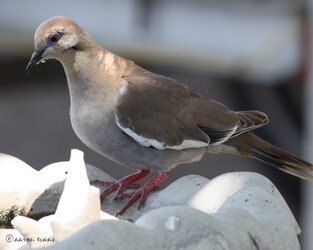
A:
90	71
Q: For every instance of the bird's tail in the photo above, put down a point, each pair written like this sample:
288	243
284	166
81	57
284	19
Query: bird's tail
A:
248	144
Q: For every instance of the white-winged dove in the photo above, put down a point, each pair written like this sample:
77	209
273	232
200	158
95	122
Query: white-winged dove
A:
144	120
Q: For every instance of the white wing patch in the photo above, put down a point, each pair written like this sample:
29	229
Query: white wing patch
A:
226	138
160	145
123	87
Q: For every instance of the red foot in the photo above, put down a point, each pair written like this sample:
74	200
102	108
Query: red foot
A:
109	183
143	191
121	184
128	182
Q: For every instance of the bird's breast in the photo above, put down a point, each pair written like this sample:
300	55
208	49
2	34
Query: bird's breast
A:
91	119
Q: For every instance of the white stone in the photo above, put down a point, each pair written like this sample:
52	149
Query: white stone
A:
18	183
37	193
33	229
76	190
79	205
54	176
232	211
248	191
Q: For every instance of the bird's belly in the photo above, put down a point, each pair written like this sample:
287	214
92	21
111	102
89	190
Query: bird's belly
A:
106	138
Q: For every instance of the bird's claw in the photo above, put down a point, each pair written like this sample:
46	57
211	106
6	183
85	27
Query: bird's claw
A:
128	181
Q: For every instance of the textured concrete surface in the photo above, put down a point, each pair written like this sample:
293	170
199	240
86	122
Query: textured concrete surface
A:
239	210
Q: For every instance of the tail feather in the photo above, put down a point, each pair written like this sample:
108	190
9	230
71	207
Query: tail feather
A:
283	163
249	144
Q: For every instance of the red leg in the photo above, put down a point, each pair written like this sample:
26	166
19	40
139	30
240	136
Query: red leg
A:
143	191
122	184
109	183
129	194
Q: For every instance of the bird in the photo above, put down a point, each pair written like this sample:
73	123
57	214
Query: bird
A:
146	121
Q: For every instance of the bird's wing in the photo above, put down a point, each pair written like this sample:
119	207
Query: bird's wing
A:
249	120
158	111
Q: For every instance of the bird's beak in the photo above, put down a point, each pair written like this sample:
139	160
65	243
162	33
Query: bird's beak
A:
35	59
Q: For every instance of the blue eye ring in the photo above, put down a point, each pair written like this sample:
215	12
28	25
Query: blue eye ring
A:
54	38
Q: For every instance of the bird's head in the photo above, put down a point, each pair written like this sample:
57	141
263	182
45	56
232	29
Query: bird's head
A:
54	37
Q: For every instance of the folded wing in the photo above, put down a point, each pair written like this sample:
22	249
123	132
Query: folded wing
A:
159	112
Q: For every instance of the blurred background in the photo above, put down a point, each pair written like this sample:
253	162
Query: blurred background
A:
247	54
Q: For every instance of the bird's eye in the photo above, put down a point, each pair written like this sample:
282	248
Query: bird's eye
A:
54	38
